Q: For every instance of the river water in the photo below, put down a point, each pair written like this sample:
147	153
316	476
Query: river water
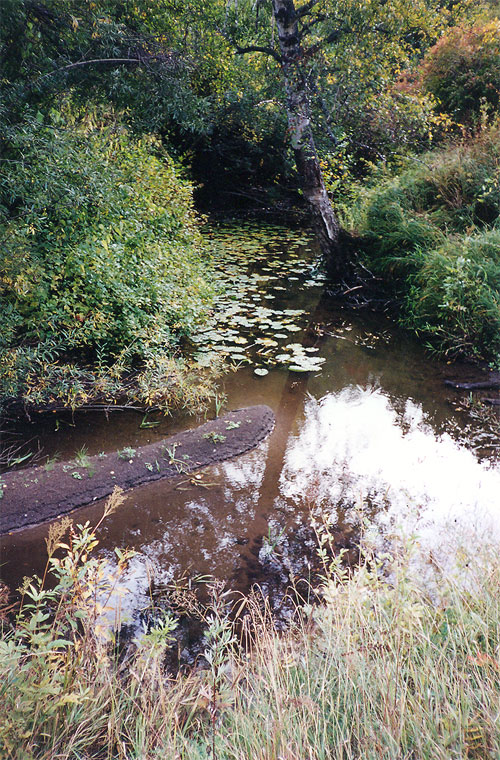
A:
369	435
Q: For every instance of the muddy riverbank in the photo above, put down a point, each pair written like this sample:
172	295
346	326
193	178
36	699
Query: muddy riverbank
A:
36	494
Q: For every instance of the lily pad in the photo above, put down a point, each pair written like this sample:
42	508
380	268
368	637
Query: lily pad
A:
267	341
260	371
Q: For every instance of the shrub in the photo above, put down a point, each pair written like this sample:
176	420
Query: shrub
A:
381	669
463	69
102	264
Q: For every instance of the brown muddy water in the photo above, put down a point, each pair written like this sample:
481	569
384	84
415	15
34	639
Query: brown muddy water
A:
368	434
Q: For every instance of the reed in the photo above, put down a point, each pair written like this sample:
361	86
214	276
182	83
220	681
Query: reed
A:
382	669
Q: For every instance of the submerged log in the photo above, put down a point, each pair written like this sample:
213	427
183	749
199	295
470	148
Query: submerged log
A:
493	381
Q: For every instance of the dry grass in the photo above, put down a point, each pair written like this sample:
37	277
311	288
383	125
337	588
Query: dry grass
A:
380	670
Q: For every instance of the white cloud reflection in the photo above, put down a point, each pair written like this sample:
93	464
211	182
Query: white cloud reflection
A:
354	445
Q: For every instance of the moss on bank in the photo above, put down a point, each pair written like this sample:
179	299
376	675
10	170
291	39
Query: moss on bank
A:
432	233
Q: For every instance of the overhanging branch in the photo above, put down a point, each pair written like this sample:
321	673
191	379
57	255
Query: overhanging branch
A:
94	61
303	10
258	49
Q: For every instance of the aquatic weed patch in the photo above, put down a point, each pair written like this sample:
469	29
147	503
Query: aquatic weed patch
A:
260	266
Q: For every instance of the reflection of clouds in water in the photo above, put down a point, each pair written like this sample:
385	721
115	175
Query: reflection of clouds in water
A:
129	591
205	529
353	444
242	478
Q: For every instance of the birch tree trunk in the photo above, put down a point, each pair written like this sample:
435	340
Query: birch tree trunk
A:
326	224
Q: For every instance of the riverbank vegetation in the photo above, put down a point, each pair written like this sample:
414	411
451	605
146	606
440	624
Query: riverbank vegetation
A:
104	269
381	668
431	233
430	224
110	111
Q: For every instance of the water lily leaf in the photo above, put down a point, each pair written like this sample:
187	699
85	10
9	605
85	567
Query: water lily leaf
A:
267	341
205	360
260	371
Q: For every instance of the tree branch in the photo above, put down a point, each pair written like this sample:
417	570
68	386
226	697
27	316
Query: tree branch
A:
306	28
258	49
93	61
303	10
332	37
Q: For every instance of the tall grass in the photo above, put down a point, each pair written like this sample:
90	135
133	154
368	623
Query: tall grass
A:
381	669
432	234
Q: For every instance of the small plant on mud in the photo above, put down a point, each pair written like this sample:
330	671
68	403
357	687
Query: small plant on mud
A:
83	460
219	400
52	461
179	465
215	437
81	457
127	453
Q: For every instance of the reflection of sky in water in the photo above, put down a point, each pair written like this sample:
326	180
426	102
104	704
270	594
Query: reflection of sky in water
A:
354	444
351	445
207	528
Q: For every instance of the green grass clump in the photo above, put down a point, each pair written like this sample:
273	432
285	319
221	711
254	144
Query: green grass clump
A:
454	297
380	670
432	234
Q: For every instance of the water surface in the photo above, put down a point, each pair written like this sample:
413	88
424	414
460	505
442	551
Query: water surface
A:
371	436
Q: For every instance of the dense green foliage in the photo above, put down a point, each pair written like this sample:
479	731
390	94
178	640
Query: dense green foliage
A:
102	264
99	237
432	232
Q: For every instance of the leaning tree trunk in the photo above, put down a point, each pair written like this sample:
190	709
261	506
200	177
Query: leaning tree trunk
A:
326	224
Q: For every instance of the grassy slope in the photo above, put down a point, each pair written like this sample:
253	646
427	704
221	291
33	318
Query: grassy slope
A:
380	670
433	234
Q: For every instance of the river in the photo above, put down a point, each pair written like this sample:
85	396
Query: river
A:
366	432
